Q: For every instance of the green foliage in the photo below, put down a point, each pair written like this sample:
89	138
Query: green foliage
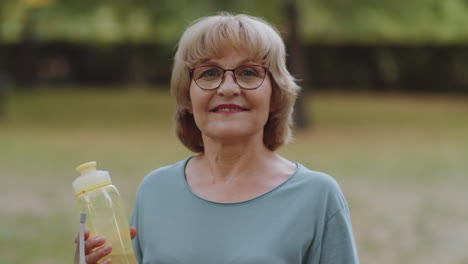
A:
115	21
150	21
397	21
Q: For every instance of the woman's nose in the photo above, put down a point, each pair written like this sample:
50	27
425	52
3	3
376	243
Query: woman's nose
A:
228	86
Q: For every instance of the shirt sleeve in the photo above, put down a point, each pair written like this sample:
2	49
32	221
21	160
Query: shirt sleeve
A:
337	243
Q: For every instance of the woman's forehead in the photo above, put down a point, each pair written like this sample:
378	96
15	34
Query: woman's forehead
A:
230	57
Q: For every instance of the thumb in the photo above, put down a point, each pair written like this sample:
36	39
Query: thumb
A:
133	232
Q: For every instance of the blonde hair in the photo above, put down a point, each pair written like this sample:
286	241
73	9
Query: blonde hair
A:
209	37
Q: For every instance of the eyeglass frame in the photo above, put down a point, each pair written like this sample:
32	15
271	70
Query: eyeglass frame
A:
267	70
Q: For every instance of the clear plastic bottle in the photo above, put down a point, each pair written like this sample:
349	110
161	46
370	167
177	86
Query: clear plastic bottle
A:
105	214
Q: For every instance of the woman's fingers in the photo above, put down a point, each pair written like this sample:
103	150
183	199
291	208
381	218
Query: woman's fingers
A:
133	232
93	243
96	249
99	253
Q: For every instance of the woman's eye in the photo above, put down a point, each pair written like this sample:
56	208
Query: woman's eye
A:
210	73
248	73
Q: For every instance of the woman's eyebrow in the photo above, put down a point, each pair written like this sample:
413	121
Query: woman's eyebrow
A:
214	63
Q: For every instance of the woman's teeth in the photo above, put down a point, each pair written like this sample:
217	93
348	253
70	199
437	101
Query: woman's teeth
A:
228	109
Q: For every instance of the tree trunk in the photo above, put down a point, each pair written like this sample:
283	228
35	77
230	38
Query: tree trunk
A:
3	87
296	61
26	66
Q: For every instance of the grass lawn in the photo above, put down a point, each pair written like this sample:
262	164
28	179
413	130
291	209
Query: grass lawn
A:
401	160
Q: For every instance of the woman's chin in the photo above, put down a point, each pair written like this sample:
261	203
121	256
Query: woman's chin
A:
230	134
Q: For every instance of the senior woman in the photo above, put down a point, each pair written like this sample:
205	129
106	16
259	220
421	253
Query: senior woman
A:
237	201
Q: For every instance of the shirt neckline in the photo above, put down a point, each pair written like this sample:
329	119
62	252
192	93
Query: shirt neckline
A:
184	180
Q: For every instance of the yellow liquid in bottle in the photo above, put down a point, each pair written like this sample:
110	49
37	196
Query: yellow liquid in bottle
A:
121	259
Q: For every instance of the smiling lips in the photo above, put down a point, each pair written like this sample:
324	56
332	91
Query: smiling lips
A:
228	108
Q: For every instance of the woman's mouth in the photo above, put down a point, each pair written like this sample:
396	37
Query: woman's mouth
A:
228	108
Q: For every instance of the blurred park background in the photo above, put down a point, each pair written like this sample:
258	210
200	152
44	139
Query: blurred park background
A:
384	111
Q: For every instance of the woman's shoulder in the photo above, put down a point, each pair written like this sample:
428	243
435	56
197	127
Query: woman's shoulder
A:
315	178
320	186
165	174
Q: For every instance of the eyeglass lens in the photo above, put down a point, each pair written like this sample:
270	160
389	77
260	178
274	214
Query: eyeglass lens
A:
247	76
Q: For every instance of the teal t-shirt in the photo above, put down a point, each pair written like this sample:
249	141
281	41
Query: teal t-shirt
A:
303	220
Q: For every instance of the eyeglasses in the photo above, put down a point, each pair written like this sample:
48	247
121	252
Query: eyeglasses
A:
249	76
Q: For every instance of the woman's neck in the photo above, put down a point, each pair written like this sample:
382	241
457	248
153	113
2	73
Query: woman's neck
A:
229	160
236	171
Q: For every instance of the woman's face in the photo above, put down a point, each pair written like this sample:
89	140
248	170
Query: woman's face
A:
230	113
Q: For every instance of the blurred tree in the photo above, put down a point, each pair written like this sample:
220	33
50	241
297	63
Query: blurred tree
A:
296	58
26	64
388	21
324	21
4	85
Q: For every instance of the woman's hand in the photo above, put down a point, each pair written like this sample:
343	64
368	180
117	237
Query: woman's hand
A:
91	243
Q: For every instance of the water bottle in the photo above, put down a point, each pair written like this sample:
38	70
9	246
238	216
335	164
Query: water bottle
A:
105	214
